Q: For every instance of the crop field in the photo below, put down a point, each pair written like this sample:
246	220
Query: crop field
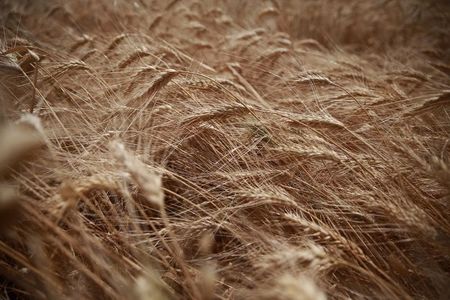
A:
224	149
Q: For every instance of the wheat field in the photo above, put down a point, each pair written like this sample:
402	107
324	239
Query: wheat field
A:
224	149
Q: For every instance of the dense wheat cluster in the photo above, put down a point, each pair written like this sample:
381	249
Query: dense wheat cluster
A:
224	149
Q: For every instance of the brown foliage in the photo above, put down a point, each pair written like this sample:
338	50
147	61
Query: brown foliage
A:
224	149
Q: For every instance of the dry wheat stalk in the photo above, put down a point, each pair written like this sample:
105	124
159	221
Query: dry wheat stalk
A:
157	84
140	53
218	114
115	42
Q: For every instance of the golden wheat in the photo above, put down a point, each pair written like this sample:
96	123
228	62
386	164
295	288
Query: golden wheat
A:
230	149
